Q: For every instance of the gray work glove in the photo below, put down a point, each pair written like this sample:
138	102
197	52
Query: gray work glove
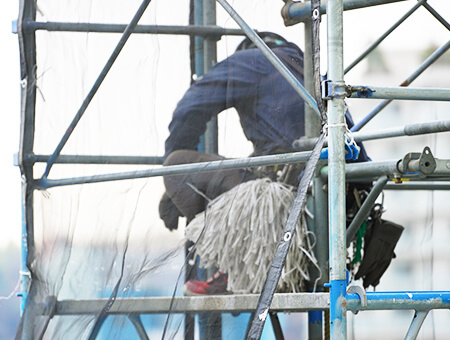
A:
168	212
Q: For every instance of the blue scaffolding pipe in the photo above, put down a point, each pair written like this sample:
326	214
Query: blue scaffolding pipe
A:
384	36
295	12
336	174
418	300
401	93
25	274
126	34
284	71
228	164
429	61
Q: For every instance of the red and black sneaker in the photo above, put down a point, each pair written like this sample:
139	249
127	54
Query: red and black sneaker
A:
217	284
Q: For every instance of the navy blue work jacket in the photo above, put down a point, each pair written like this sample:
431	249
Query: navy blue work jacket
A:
271	113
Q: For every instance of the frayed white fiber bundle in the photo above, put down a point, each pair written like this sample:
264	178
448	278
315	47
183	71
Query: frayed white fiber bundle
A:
242	229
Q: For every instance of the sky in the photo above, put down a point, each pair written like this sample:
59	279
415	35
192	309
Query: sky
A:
420	32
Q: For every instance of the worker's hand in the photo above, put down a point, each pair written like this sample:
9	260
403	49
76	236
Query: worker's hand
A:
168	212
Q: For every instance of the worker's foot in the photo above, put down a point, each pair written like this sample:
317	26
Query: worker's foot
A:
217	284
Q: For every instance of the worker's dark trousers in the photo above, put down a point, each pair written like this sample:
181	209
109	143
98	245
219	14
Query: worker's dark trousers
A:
184	190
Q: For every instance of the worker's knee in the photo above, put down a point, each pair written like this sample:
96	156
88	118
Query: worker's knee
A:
175	157
189	156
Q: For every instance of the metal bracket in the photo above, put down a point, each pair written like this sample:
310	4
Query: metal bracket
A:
358	290
361	91
425	162
402	165
335	89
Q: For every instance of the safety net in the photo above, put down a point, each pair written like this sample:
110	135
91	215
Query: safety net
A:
101	243
117	241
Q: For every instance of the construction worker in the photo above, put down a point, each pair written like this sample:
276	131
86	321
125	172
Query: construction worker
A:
271	114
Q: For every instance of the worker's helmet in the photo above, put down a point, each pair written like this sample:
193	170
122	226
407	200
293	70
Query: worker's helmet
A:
271	39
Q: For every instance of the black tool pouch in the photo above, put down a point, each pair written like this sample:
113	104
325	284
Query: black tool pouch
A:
379	242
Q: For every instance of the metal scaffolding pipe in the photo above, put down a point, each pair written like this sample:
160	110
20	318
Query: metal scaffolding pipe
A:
287	302
417	186
407	130
284	71
336	175
418	300
295	12
318	225
429	61
400	131
91	159
437	15
126	34
365	209
403	168
416	323
209	59
368	170
384	36
203	31
227	164
402	93
27	44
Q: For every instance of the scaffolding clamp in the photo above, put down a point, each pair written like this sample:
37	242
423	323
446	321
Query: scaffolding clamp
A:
358	290
335	89
418	162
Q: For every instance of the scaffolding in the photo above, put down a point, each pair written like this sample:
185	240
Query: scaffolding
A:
423	170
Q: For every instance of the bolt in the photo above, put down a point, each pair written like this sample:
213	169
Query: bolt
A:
448	165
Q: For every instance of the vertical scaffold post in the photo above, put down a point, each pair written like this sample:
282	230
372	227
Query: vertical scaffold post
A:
210	324
336	179
209	59
312	129
191	271
27	44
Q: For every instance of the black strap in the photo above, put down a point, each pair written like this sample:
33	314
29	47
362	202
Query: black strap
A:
273	276
315	40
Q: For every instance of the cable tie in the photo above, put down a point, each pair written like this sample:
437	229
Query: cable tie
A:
26	273
337	125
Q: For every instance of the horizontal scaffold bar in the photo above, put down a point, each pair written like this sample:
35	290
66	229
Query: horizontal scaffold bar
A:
290	302
295	12
119	28
427	63
227	164
399	131
401	93
403	168
418	186
400	300
92	159
355	170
